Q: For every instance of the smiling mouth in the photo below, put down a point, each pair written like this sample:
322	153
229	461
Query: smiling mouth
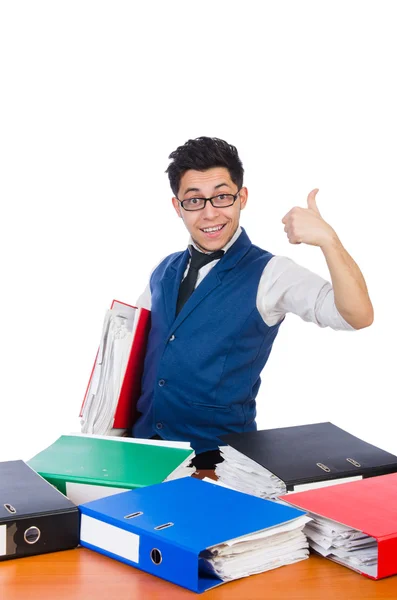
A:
213	229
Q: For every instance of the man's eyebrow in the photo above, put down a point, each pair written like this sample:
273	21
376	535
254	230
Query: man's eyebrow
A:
191	189
194	189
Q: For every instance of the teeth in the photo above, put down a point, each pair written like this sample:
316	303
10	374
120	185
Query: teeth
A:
211	229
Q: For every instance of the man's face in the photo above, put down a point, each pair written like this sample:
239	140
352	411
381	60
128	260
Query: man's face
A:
201	223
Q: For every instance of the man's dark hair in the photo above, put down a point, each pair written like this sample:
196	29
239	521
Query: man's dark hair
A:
201	154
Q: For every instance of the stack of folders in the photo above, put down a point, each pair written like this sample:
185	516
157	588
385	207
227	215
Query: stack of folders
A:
34	517
85	467
354	524
272	462
195	534
109	406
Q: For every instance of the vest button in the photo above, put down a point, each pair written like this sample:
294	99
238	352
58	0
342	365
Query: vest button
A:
161	382
172	338
159	425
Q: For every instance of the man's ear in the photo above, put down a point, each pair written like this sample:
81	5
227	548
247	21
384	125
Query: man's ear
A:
177	207
243	197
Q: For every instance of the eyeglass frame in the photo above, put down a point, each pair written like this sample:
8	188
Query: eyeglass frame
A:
209	200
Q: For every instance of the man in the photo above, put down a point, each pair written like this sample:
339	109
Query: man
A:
217	306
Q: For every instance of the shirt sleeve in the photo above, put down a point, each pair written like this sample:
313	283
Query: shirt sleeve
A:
145	299
286	287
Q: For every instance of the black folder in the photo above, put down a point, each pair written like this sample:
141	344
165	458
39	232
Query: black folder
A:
312	453
35	518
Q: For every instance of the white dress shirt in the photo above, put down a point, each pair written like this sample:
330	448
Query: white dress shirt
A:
284	287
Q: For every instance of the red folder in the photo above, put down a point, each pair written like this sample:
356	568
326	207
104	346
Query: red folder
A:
369	505
125	414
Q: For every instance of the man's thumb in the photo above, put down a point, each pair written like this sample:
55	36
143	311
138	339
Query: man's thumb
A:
311	200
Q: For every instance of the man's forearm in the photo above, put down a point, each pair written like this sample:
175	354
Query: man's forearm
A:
350	290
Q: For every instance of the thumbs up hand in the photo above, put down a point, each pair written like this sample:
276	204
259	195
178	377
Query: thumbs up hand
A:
306	225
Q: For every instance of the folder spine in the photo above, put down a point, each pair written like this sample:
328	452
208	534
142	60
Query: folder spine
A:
125	414
138	548
176	564
40	534
387	555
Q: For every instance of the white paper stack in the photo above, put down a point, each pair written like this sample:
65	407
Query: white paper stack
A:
245	475
258	552
103	393
342	544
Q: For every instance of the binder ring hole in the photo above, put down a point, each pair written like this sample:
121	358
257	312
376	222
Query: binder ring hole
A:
32	535
159	527
133	515
156	556
10	508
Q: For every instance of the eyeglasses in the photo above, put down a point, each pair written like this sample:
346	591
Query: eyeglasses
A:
220	201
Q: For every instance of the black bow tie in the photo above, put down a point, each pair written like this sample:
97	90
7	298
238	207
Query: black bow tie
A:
198	260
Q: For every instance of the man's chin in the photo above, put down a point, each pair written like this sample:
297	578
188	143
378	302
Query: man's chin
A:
210	247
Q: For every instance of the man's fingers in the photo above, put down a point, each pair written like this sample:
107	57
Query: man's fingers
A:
286	216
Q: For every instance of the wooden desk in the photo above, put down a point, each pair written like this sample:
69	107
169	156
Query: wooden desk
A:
85	575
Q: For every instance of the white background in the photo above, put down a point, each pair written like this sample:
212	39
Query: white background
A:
94	97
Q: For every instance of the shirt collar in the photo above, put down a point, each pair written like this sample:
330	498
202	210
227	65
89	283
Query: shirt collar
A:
227	246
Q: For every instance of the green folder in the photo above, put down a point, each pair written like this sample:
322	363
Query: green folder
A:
87	467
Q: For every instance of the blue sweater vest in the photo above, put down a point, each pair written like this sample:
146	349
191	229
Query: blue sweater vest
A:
202	368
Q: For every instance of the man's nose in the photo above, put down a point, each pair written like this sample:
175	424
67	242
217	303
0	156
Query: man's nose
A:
209	211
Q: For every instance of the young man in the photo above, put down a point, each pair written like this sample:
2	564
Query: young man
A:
217	306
